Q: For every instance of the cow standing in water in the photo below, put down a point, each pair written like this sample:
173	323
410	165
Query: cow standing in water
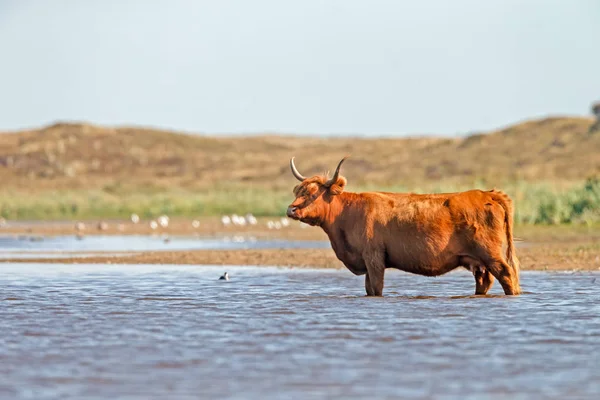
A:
425	234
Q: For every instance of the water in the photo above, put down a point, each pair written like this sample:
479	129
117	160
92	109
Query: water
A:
11	255
143	332
116	243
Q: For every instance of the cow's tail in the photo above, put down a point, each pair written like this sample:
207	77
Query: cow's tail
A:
506	203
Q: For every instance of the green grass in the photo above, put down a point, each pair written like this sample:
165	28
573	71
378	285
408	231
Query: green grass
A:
86	205
540	203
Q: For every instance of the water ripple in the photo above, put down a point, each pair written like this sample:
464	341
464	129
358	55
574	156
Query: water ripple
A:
176	332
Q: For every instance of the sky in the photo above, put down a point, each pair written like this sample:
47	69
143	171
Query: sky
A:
336	67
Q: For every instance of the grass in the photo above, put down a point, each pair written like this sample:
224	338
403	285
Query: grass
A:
86	205
67	171
540	203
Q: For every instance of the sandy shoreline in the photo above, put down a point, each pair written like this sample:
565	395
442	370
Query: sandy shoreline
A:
534	258
556	249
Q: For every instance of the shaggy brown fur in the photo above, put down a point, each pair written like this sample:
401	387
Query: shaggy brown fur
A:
425	234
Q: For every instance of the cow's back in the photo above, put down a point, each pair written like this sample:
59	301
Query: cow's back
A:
423	233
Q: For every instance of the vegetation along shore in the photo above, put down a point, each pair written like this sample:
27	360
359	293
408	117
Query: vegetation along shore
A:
70	171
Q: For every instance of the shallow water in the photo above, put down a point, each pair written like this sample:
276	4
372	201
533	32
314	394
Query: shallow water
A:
33	255
140	332
115	243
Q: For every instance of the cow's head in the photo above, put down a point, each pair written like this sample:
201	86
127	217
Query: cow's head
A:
314	195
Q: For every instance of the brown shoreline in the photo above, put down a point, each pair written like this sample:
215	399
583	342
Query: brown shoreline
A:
546	248
533	258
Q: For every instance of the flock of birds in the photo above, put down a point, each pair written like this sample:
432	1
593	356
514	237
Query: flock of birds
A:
163	222
250	219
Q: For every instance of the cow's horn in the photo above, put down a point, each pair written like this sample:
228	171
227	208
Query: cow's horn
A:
337	173
297	174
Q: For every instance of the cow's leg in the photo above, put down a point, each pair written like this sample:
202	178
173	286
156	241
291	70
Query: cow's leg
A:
375	271
483	280
368	287
506	275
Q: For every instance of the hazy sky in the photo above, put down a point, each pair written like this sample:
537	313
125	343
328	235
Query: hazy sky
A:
310	66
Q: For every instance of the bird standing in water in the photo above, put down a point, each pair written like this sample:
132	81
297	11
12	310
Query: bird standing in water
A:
224	277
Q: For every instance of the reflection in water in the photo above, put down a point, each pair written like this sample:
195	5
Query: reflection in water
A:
180	332
25	244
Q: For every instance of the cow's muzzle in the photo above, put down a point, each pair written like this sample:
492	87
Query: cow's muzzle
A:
291	212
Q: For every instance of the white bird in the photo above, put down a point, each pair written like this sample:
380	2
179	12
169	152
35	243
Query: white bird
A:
270	225
285	222
225	220
238	220
80	226
195	223
277	225
153	225
224	277
163	220
135	218
251	219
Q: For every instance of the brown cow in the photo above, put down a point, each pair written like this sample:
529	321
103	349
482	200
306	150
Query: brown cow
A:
425	234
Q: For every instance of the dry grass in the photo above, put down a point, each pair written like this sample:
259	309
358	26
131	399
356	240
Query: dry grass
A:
79	170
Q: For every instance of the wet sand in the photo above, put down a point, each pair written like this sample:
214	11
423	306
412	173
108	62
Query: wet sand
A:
533	258
554	249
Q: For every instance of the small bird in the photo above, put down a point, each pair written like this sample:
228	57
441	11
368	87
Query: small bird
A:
251	219
163	221
238	220
224	277
226	220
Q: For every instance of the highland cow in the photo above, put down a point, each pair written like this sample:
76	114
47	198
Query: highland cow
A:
425	234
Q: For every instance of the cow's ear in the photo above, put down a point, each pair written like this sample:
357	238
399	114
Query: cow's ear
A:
338	186
312	188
